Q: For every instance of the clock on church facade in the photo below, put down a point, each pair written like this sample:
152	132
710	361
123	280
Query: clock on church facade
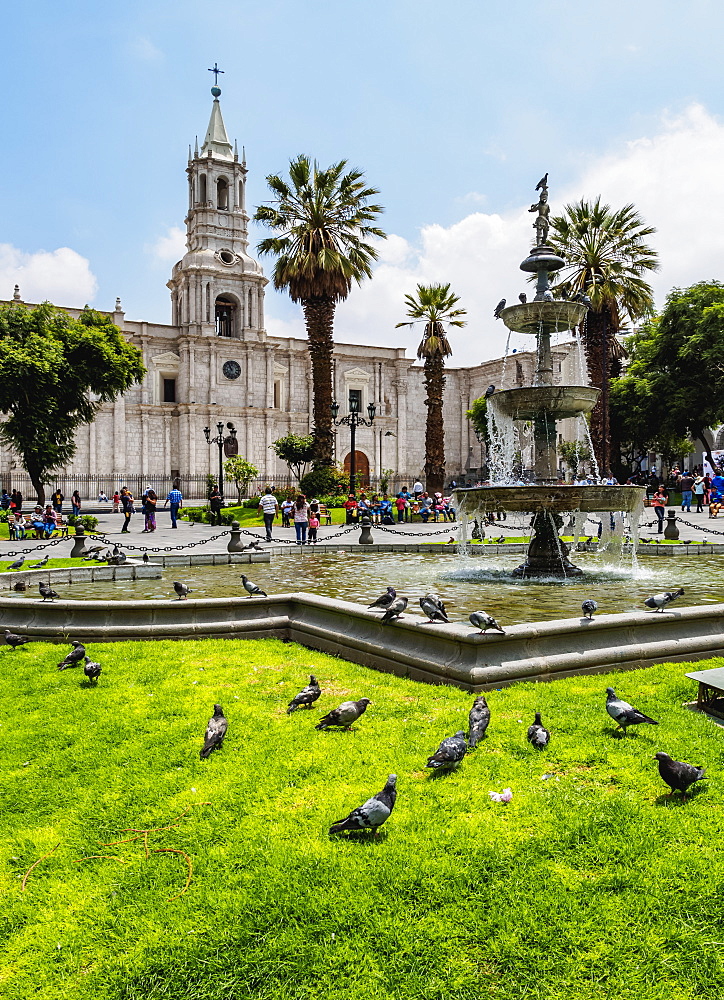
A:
232	369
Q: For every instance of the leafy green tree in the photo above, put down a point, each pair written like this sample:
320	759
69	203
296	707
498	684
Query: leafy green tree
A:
296	451
434	305
673	386
321	218
55	373
608	259
239	472
574	454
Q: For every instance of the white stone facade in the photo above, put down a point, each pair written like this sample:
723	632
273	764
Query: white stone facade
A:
215	361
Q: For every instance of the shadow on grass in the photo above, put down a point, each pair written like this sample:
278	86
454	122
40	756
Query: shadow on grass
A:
439	773
677	799
360	838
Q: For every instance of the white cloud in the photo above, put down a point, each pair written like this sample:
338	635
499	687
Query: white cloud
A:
671	176
144	50
60	276
170	247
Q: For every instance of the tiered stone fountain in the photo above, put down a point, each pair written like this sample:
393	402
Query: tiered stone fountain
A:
542	404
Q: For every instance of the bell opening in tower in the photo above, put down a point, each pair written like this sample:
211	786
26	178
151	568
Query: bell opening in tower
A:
225	317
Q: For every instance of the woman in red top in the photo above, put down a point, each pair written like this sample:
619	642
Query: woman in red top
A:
350	505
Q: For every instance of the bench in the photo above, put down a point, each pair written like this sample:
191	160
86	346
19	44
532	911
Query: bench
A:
324	515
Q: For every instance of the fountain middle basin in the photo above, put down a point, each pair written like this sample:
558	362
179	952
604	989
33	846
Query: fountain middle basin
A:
560	499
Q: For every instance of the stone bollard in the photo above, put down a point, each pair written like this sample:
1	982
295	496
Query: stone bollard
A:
78	549
671	531
365	535
234	544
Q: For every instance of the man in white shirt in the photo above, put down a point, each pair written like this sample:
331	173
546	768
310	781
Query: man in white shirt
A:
418	489
268	506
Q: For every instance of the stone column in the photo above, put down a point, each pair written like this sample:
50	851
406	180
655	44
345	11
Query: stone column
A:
119	436
400	386
167	445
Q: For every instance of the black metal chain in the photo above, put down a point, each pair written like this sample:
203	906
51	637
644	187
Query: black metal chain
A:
411	534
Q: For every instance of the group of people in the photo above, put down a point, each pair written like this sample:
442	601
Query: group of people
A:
381	509
302	514
704	490
125	502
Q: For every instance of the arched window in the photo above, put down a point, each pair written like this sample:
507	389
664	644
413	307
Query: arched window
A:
208	301
222	194
202	188
225	317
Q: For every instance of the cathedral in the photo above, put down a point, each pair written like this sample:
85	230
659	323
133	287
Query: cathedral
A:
215	362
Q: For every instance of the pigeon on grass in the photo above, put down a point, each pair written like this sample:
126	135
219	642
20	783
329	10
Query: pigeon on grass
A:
74	657
538	735
678	775
46	591
306	697
91	670
394	610
14	640
385	600
433	608
623	713
215	732
589	608
449	754
182	590
484	621
251	588
372	814
17	564
41	564
659	601
347	713
478	721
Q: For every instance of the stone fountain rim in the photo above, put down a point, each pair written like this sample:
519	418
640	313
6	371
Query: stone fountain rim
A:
562	498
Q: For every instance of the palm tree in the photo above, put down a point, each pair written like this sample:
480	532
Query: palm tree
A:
434	305
607	259
321	218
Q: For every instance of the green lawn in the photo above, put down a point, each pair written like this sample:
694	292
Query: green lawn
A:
30	560
588	884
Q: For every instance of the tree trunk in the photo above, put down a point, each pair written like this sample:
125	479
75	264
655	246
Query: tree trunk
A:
597	329
36	478
699	434
319	317
435	430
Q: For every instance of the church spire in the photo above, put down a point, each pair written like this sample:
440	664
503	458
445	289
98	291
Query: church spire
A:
216	142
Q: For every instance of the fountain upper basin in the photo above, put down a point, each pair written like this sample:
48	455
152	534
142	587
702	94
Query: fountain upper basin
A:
561	499
559	401
544	317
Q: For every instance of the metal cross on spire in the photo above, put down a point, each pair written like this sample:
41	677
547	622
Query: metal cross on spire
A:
216	72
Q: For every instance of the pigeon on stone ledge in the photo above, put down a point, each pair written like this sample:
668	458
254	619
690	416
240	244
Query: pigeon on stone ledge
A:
499	308
433	608
678	775
623	713
538	735
74	657
449	754
484	621
307	696
347	713
394	610
478	721
46	591
384	600
589	608
659	601
182	590
215	732
372	814
489	392
251	588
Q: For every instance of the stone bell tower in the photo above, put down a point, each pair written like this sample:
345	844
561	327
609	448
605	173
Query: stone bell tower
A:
217	289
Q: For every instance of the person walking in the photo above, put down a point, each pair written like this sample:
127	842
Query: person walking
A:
75	503
216	502
269	507
699	494
658	502
176	500
128	508
301	518
687	486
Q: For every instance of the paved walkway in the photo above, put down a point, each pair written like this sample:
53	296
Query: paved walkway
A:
703	529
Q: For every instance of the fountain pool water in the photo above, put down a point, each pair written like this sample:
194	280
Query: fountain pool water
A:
465	585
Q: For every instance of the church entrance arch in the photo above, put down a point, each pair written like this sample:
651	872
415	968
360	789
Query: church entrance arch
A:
361	466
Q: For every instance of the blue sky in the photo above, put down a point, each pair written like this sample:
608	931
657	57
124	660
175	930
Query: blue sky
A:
453	110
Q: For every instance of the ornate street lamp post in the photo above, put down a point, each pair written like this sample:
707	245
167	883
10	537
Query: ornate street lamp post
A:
222	442
354	420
